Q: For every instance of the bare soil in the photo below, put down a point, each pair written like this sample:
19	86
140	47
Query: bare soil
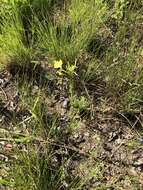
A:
107	141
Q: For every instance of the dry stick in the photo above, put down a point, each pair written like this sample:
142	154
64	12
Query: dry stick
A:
85	89
132	126
54	144
27	119
7	139
5	97
115	150
4	93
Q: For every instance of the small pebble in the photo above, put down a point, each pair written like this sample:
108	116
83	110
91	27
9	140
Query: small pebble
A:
139	161
65	103
3	158
140	140
8	147
2	119
86	134
1	81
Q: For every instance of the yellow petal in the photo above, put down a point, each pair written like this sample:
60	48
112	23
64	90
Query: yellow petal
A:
58	64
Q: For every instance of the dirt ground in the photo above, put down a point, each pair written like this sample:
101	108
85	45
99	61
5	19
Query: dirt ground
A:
109	141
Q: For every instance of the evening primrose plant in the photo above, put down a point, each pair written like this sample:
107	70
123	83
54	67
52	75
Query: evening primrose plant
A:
80	104
68	69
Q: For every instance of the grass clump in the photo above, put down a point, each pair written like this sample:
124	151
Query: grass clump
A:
69	36
36	171
12	38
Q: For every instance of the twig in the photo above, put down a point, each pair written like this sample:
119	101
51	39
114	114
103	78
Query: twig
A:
4	93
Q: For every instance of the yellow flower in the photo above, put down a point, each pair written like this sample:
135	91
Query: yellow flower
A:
58	64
